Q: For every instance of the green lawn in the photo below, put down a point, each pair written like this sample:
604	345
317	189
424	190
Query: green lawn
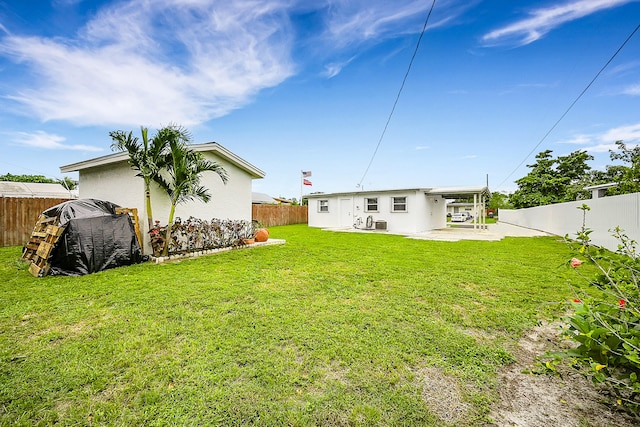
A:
328	329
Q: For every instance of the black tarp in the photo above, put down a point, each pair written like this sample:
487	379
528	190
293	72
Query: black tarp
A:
94	239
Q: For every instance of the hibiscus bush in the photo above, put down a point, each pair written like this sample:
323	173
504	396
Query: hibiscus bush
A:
605	320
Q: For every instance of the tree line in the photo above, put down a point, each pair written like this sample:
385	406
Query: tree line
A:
564	178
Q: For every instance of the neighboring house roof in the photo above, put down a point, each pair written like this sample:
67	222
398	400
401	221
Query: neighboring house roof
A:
446	192
261	199
283	201
214	147
34	189
601	186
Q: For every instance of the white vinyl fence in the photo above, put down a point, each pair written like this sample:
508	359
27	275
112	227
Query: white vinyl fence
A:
566	218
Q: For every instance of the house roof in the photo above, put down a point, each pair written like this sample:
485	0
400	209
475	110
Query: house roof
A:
34	189
261	198
214	147
446	192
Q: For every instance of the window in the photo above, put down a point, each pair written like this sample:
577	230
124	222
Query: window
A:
371	204
323	206
399	204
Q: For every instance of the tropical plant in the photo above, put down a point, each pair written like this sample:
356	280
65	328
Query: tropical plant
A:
605	322
147	157
184	169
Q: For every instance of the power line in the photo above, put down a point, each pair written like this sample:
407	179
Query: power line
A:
384	131
572	104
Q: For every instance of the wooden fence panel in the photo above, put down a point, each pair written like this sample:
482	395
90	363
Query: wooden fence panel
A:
18	215
272	215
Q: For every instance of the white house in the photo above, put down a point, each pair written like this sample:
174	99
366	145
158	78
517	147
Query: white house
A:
402	211
111	178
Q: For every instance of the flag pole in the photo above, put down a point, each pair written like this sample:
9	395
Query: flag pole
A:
301	185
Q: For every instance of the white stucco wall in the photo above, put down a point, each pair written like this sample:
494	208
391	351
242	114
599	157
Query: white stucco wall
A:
118	184
423	212
114	183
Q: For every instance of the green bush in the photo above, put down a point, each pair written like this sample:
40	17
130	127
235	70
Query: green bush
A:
605	321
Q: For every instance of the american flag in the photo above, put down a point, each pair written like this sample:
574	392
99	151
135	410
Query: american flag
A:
306	174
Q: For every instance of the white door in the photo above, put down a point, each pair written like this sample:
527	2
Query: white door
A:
346	218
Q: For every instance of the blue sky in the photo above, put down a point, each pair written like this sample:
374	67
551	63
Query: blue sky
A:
308	85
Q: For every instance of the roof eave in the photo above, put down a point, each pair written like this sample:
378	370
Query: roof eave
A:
252	170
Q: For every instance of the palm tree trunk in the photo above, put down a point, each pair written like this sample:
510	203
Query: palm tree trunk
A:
165	251
147	195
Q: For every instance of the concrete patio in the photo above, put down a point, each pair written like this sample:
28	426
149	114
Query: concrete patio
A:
493	232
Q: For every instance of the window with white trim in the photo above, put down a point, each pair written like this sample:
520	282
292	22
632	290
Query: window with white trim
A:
399	204
371	204
323	205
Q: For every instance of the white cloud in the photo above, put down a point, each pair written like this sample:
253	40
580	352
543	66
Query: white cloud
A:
151	62
605	141
361	20
633	90
422	147
628	134
47	141
333	69
543	20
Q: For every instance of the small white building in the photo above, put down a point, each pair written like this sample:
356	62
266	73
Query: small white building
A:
402	211
111	178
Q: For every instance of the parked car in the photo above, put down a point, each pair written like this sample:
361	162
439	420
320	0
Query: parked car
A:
459	217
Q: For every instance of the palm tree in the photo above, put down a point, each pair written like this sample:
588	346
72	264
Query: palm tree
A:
148	157
185	167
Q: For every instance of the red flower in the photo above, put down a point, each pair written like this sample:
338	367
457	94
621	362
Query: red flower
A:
577	300
575	262
622	303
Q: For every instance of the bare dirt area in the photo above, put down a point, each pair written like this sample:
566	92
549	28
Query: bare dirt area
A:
533	400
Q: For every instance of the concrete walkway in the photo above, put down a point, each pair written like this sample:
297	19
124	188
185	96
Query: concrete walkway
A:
494	232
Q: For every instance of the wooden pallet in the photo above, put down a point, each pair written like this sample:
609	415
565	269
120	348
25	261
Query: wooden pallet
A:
38	235
41	261
133	213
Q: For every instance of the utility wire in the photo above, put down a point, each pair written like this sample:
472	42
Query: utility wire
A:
384	131
572	104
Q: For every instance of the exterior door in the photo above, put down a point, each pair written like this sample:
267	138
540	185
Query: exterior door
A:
346	217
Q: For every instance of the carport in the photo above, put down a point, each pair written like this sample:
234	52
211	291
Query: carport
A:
480	197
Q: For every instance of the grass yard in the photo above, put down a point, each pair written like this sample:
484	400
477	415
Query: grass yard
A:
329	329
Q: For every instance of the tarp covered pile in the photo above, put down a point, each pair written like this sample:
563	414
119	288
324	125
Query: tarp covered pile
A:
95	238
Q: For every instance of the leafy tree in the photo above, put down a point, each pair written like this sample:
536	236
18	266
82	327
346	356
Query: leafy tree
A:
184	168
627	175
147	157
66	182
553	180
499	201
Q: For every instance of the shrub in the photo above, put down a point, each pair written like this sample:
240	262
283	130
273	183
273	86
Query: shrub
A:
196	234
605	322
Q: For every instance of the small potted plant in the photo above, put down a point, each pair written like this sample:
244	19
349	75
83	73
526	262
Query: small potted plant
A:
247	233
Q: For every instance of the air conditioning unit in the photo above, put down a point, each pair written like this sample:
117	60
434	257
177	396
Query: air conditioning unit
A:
381	225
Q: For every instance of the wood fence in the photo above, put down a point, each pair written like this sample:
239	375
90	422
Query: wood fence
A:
272	215
18	215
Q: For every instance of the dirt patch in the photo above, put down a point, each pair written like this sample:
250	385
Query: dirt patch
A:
545	400
442	394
